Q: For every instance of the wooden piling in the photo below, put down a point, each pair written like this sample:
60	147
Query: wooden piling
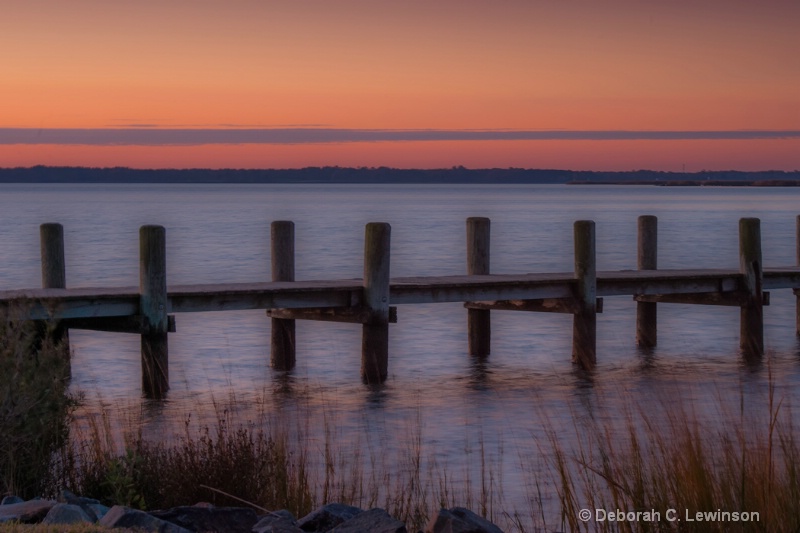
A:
375	330
54	274
153	310
479	323
282	341
751	323
797	262
584	322
647	259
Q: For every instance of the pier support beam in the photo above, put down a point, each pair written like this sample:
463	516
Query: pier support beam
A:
751	323
375	331
584	322
647	259
479	322
54	276
153	309
282	341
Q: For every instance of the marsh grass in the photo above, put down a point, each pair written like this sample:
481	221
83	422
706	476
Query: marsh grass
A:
270	464
645	459
674	458
34	404
224	464
744	458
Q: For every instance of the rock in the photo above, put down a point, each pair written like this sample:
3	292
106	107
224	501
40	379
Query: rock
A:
99	510
120	516
8	500
87	504
281	521
26	512
375	521
460	520
68	513
210	518
327	517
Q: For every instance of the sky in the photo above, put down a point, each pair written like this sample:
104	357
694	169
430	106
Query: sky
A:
571	84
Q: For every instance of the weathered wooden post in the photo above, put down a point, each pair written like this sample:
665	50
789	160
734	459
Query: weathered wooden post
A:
282	342
375	331
54	274
751	318
153	310
584	322
647	259
797	261
479	322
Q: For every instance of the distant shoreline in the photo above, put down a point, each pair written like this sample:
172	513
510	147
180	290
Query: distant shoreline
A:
385	175
697	183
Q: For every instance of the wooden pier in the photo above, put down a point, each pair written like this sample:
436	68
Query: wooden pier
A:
148	310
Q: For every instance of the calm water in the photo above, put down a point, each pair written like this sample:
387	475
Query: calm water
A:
218	233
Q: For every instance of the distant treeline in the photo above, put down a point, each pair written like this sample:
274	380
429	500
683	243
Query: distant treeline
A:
792	182
377	175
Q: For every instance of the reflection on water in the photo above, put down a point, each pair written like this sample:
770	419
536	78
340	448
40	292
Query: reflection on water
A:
454	404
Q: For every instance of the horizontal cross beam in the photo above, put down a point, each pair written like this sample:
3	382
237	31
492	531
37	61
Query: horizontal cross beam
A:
115	324
729	299
542	305
350	315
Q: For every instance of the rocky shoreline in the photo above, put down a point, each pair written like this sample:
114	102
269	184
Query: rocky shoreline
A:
70	509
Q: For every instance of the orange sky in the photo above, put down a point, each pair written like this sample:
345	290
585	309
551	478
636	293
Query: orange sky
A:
532	65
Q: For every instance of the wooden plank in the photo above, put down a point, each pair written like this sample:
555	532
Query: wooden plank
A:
730	299
116	324
613	284
25	304
545	305
439	289
780	277
350	315
54	304
266	295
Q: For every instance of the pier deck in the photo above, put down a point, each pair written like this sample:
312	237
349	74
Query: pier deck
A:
95	302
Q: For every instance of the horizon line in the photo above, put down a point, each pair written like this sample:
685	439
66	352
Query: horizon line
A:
138	136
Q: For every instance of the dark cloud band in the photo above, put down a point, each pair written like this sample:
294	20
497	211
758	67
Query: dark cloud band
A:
189	136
